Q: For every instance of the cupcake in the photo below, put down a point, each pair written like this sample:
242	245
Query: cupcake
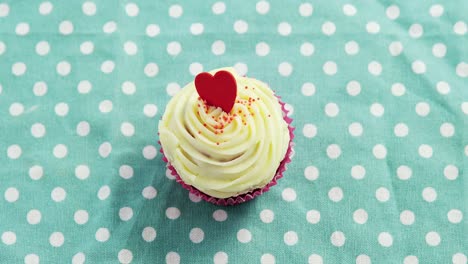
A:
225	137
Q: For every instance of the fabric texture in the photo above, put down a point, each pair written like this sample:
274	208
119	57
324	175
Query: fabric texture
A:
378	94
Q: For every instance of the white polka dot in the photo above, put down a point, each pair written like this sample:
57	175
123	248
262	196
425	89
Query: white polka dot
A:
308	89
58	194
401	130
385	239
125	256
306	9
105	149
218	8
455	216
459	258
172	88
349	10
262	7
45	8
407	217
284	28
379	151
333	151
330	68
338	239
175	11
311	173
18	68
315	259
32	259
351	48
149	192
240	26
290	238
171	177
9	238
464	107
447	130
2	47
109	27
439	50
433	238
393	12
220	215
218	47
404	172
418	67
104	192
360	216
382	194
150	110
36	172
462	69
194	198
244	236
172	213
126	172
125	213
82	129
363	259
172	258
14	151
313	216
81	217
61	109
151	69
429	194
460	28
40	88
16	109
84	87
285	69
79	258
4	9
11	195
241	68
56	239
443	87
410	260
148	234
149	152
89	8
102	234
173	48
436	10
398	89
66	27
395	48
289	108
309	130
195	68
307	49
107	66
127	129
60	151
130	48
425	151
451	172
220	258
373	27
152	30
332	109
105	106
196	29
128	87
353	88
335	194
42	48
422	109
262	49
374	68
22	29
289	195
328	28
416	31
196	235
132	9
82	172
358	172
267	216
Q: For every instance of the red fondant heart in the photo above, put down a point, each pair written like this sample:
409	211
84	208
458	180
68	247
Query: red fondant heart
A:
219	90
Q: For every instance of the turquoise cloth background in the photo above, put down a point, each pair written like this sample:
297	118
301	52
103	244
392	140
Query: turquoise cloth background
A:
378	91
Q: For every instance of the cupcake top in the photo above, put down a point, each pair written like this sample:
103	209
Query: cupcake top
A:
225	154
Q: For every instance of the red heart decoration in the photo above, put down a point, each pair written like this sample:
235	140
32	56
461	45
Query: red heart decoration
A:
219	90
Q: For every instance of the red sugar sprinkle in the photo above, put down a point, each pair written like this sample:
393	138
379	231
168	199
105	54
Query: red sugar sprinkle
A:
199	132
204	124
217	143
269	115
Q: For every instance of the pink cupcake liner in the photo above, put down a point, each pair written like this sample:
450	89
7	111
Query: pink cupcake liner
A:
249	195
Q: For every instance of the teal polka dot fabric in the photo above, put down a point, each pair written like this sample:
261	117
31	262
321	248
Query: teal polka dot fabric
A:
377	91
